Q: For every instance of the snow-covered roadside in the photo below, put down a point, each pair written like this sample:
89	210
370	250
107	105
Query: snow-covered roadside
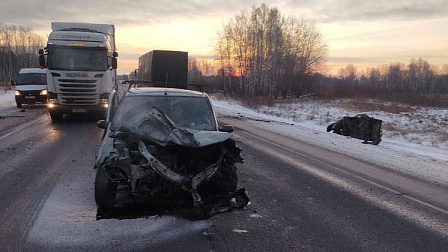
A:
7	98
394	152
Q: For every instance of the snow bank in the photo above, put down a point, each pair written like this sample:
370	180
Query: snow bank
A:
7	98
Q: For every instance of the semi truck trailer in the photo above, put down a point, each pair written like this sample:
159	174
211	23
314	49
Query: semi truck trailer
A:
164	68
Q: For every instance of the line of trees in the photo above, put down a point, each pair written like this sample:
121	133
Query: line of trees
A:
266	54
262	53
19	48
416	77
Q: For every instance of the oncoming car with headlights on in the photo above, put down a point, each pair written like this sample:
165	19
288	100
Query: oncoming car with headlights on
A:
31	86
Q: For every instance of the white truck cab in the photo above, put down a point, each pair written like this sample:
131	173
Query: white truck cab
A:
81	63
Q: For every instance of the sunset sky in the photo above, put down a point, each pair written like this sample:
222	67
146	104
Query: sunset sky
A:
358	32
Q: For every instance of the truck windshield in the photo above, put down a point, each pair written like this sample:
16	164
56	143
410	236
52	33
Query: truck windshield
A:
186	112
78	59
32	79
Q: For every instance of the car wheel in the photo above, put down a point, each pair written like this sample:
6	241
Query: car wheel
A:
19	104
231	180
56	116
223	182
105	189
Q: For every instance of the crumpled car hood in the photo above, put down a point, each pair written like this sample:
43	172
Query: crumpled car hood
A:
153	125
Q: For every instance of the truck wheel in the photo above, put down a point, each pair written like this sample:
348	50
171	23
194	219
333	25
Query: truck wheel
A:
19	104
56	116
105	189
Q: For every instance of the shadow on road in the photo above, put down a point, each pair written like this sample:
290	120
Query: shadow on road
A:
217	205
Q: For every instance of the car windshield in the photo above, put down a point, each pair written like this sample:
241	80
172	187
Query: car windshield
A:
32	79
185	111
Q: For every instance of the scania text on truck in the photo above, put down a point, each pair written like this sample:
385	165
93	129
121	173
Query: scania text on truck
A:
81	62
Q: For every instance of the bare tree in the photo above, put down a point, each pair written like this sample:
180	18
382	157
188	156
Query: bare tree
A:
420	75
223	50
270	54
349	74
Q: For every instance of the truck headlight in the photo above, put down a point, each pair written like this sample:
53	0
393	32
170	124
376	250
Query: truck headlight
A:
52	103
17	92
43	92
104	102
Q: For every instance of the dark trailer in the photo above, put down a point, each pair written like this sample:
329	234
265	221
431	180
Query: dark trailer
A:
164	68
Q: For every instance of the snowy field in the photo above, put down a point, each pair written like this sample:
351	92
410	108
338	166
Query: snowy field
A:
414	142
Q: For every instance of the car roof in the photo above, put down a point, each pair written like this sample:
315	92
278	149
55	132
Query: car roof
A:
157	91
32	70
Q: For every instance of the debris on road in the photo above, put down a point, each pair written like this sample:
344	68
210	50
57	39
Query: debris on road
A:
360	126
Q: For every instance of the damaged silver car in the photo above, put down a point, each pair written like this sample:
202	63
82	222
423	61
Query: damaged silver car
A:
164	145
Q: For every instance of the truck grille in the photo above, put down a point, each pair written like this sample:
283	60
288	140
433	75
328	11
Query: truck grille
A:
78	92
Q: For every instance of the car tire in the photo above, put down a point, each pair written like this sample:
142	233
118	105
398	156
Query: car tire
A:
105	189
222	183
56	116
231	180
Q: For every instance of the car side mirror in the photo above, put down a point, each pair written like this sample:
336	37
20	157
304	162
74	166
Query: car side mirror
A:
101	124
226	128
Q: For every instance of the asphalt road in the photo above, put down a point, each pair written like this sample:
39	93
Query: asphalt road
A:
303	198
